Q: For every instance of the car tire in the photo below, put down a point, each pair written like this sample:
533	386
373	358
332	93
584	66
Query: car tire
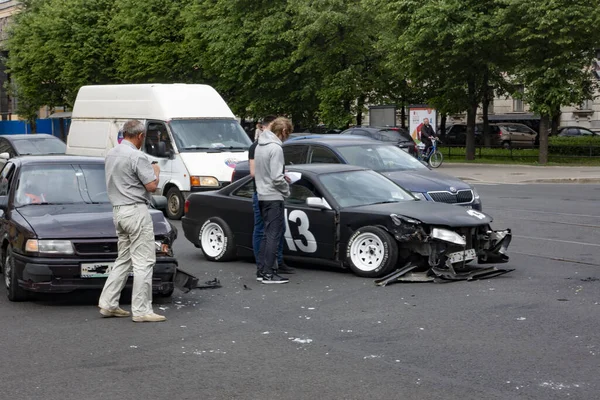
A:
216	240
506	144
175	202
13	290
371	252
166	294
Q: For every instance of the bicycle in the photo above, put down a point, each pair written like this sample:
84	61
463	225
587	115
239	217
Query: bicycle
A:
434	158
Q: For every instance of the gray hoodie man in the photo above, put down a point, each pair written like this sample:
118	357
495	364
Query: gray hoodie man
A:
269	169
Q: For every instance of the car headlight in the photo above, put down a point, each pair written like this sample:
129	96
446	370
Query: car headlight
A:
162	248
49	246
448	236
204	181
401	219
419	196
475	193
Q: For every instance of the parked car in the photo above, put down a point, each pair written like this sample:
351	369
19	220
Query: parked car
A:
517	136
353	217
456	134
399	136
382	157
57	232
33	144
574	131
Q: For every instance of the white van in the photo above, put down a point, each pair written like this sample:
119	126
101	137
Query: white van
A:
190	131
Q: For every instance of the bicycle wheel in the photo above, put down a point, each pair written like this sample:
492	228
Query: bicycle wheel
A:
436	159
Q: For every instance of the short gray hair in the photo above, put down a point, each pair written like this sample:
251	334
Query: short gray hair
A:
132	128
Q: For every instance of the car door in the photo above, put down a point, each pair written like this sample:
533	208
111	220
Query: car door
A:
156	132
309	232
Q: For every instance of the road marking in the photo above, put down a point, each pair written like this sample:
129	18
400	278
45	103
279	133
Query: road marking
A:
557	240
544	212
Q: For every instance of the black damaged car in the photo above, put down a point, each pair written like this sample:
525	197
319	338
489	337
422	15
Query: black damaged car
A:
353	217
57	230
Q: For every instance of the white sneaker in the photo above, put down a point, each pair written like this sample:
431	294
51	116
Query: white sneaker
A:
149	318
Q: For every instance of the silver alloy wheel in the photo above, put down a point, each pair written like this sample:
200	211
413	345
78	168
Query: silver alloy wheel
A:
174	204
212	239
367	252
7	271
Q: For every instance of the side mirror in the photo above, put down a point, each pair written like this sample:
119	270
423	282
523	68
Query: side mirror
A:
162	150
318	202
4	156
159	202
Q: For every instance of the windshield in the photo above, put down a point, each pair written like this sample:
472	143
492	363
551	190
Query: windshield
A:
361	188
209	134
380	158
39	146
61	184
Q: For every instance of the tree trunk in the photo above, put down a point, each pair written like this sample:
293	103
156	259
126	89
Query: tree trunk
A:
544	125
471	117
359	110
403	115
555	121
443	119
487	140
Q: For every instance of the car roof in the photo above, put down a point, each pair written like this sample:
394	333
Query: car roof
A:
337	140
30	136
56	159
318	169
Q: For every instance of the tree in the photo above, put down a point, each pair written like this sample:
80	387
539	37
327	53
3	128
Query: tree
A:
335	45
148	42
555	43
55	47
449	48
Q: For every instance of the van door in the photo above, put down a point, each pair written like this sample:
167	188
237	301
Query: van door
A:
159	148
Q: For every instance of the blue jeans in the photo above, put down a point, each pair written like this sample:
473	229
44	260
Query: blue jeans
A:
272	216
259	231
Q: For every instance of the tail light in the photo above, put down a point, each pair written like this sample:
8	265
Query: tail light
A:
232	175
186	207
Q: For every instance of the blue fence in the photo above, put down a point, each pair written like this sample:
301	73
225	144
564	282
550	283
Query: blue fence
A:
46	125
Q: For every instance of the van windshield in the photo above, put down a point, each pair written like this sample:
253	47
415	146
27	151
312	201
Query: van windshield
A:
209	135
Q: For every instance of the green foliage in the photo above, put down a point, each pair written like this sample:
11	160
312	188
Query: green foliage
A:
574	140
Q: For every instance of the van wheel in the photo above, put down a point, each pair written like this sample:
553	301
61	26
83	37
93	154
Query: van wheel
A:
371	252
174	203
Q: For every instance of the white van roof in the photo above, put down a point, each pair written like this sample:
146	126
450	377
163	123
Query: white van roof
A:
150	101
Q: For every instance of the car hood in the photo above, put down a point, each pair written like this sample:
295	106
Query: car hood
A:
80	221
425	180
219	165
430	213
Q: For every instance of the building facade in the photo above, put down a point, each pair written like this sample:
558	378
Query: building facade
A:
7	9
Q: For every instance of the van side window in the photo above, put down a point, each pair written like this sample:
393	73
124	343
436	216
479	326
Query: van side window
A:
156	132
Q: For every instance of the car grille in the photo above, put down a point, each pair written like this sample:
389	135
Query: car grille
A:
460	197
104	248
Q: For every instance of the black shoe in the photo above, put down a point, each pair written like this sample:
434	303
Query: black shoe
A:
285	269
274	278
259	276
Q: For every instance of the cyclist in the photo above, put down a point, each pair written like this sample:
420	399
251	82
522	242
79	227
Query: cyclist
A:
427	133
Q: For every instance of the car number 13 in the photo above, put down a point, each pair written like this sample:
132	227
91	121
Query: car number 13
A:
301	220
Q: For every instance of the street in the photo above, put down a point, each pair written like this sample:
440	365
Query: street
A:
530	334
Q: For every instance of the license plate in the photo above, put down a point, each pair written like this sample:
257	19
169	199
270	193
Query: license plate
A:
96	270
468	207
462	256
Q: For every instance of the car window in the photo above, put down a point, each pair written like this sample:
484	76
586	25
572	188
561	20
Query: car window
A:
363	187
585	132
459	129
572	132
246	190
156	132
40	146
6	179
61	184
300	191
360	132
208	134
5	147
380	157
390	135
322	155
295	154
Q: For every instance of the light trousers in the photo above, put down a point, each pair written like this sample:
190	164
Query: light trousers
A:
136	252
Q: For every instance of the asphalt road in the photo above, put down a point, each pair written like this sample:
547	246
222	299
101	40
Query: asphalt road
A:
531	334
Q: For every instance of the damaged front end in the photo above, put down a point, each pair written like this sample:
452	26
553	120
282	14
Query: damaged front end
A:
439	254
